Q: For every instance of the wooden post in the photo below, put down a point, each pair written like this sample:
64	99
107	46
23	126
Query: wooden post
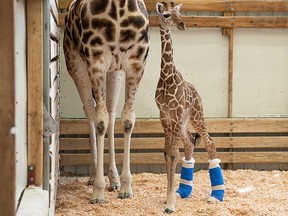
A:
7	110
230	74
35	87
230	32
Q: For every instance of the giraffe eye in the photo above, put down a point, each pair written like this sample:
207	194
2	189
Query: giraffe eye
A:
167	15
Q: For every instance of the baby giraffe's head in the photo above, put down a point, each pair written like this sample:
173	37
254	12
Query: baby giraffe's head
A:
170	15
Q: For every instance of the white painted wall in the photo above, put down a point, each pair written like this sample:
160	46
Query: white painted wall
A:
261	72
201	55
21	97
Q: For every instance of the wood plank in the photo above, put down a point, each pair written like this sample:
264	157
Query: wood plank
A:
144	126
7	109
188	5
135	159
216	5
258	157
194	5
200	157
158	143
214	125
259	6
258	22
231	21
35	87
221	22
259	125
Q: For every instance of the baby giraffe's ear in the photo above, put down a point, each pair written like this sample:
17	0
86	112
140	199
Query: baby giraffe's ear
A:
159	8
177	7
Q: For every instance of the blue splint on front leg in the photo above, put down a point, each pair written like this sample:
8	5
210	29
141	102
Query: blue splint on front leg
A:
186	178
216	179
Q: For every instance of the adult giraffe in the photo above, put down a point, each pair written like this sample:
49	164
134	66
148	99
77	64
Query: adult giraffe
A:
102	38
179	103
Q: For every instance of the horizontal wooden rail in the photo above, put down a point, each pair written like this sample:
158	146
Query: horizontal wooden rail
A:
220	6
151	143
222	22
214	125
200	157
231	21
217	5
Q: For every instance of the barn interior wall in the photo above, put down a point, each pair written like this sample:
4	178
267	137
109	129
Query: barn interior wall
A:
21	97
260	73
201	55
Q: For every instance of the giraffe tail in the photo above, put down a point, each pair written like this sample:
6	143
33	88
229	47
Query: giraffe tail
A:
197	140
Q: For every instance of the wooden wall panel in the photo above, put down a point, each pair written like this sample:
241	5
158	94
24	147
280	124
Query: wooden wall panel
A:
35	87
265	141
200	157
157	143
214	125
7	110
231	21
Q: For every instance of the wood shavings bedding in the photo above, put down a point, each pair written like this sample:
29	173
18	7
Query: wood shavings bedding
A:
247	192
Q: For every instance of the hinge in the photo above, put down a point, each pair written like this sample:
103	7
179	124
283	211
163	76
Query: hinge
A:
31	176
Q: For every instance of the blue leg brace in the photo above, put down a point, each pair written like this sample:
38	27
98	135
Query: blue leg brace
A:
216	179
186	178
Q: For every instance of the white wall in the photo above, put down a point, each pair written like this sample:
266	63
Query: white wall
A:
261	72
201	55
21	98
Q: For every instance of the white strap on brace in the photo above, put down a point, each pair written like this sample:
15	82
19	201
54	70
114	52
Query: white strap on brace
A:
214	163
188	163
218	187
183	181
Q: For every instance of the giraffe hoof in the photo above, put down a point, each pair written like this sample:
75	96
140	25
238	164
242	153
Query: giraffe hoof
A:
90	182
125	195
114	187
98	201
168	211
212	200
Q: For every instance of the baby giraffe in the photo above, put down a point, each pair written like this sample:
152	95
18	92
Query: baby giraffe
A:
179	103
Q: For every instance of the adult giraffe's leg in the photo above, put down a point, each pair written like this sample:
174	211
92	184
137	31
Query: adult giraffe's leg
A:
77	69
134	72
97	74
114	82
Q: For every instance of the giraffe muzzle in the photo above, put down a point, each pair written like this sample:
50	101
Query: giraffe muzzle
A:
181	26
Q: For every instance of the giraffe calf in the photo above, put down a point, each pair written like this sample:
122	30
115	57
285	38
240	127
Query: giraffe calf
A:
179	103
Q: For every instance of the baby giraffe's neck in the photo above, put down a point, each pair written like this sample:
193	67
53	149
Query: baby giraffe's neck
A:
167	62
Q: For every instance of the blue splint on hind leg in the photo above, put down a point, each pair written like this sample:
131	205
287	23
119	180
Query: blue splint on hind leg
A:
186	178
216	179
